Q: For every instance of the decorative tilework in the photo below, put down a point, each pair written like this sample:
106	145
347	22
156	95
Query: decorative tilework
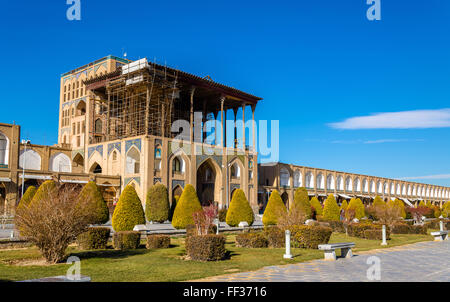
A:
98	148
177	182
75	152
74	102
3	166
113	146
135	142
130	179
201	159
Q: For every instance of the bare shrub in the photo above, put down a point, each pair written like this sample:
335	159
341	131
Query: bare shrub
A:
54	220
204	219
385	215
295	216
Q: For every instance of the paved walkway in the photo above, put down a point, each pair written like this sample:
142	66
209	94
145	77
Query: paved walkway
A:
424	261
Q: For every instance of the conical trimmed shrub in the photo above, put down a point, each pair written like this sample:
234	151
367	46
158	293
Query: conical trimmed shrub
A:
422	204
378	202
357	205
301	201
331	209
274	207
446	210
315	203
186	207
344	205
97	205
239	210
401	205
43	191
157	204
128	212
27	197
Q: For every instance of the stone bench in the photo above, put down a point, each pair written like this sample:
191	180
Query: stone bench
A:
440	236
330	250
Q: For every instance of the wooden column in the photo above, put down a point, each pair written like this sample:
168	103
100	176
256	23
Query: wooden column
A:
222	139
253	128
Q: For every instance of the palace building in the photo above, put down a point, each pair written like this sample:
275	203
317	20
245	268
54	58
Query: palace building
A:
117	127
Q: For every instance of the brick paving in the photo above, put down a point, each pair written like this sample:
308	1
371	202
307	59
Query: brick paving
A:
420	262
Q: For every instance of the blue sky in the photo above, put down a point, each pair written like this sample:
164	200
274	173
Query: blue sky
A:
317	64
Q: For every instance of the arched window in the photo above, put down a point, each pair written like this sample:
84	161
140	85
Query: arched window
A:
133	161
365	186
98	126
176	165
330	182
60	163
30	159
114	155
96	169
372	186
158	151
235	171
403	189
309	179
340	183
4	149
357	185
297	179
392	188
284	177
320	181
399	191
348	183
379	187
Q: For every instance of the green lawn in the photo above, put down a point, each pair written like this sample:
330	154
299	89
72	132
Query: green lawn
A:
168	264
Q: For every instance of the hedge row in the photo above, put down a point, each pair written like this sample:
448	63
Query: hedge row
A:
158	242
252	240
206	248
403	228
94	239
126	240
359	230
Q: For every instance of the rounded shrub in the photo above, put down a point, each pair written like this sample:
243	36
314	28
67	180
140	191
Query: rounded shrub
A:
157	204
239	210
186	207
27	197
312	236
128	212
331	211
223	215
274	207
315	203
400	205
446	210
301	201
96	204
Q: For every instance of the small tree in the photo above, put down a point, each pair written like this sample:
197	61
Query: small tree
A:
128	212
185	208
54	220
97	204
275	207
157	204
401	206
331	209
46	188
239	210
418	212
301	201
385	215
315	203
